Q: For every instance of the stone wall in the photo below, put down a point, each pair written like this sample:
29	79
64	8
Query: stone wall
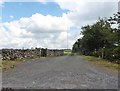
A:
55	52
13	54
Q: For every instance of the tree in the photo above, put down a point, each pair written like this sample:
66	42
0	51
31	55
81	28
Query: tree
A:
116	20
100	39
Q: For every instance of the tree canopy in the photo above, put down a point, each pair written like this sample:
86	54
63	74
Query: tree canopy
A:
100	39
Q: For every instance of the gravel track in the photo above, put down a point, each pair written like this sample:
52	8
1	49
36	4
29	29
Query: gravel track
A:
65	72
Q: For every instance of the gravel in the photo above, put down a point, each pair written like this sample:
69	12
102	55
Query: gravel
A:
65	72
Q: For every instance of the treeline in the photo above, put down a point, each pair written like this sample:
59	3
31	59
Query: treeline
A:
100	39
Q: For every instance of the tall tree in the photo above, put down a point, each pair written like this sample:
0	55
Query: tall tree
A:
100	39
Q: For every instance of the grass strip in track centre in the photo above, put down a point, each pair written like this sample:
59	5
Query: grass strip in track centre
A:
102	62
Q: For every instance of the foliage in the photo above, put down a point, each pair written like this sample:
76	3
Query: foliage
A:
100	39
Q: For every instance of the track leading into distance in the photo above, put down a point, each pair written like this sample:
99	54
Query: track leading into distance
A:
65	72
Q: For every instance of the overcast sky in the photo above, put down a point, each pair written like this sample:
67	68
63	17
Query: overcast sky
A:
47	24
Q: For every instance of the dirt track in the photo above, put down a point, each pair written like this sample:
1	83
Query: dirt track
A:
65	72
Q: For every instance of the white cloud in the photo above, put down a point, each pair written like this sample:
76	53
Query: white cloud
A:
51	31
11	17
41	23
1	4
1	1
86	12
35	31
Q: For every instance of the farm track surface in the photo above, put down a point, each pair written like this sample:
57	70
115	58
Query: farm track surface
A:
64	72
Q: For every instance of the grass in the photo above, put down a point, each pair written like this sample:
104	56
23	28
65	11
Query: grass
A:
102	62
67	52
10	64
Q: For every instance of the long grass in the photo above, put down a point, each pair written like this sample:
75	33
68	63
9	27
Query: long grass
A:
102	62
10	64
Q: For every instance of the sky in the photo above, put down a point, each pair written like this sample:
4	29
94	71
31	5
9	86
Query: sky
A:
53	24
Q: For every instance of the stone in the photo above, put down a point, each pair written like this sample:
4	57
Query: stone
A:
14	54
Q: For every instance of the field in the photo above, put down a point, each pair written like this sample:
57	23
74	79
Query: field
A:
67	52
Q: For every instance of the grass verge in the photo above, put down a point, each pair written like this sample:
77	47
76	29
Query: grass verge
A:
102	62
10	64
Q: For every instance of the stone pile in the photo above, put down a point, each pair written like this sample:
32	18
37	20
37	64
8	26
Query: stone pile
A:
13	54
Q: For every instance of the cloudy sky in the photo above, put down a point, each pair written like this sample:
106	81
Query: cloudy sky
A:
47	24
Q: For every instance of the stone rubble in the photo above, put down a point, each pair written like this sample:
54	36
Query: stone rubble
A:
14	54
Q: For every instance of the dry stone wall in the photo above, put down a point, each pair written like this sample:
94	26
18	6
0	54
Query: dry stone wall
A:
14	54
55	52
